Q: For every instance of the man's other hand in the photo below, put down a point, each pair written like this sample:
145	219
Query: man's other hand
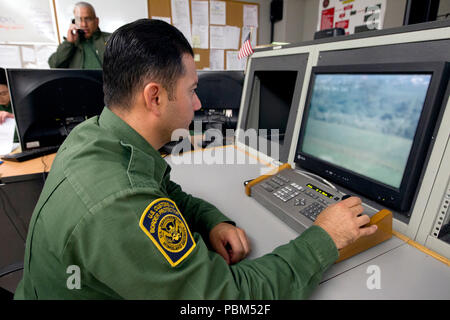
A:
4	115
344	223
230	242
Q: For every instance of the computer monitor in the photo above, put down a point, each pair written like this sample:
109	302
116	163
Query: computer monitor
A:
220	94
275	93
48	104
270	103
369	127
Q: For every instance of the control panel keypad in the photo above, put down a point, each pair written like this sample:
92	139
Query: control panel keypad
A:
285	190
313	210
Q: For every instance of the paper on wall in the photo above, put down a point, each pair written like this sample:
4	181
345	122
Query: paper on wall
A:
250	16
216	59
217	12
200	13
217	37
232	37
226	37
200	36
181	17
233	63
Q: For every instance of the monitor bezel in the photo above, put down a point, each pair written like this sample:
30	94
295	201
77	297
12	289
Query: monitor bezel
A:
399	199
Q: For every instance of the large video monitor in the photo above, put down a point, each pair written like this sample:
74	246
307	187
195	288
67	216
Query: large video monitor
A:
48	104
368	127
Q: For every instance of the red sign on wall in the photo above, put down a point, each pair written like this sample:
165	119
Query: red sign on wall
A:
341	24
327	19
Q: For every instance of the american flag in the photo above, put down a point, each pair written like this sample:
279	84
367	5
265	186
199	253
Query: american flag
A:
246	48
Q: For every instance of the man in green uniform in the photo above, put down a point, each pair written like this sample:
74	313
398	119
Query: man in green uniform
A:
5	100
110	223
81	51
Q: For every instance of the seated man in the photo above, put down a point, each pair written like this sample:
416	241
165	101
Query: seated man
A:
110	224
84	46
5	100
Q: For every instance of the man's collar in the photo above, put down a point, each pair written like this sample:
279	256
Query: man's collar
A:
125	132
97	33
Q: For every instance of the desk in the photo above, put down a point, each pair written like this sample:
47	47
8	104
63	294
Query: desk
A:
37	165
20	186
406	273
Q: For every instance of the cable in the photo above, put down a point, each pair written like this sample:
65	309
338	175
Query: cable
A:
45	169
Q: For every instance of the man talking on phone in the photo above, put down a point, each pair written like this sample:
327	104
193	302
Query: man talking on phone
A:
84	45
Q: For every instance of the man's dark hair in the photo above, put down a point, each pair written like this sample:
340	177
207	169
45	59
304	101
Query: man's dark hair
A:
3	76
139	52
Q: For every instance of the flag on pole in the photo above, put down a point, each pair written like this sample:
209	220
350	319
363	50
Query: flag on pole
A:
246	48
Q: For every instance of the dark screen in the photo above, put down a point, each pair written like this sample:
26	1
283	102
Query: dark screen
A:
48	104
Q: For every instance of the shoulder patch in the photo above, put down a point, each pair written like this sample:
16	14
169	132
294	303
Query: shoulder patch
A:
163	223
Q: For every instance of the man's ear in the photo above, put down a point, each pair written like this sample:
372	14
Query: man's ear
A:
155	97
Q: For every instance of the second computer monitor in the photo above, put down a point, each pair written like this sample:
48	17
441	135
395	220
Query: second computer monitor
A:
48	104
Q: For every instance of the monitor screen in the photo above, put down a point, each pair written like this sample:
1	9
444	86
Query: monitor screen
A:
276	92
351	111
271	100
48	104
368	127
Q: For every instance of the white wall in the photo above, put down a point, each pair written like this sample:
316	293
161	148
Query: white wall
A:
444	8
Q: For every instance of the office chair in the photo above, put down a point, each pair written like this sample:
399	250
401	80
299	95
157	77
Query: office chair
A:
15	267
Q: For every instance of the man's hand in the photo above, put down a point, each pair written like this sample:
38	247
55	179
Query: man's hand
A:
72	34
4	115
343	222
230	242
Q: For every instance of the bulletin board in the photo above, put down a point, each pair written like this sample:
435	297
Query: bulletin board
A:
238	15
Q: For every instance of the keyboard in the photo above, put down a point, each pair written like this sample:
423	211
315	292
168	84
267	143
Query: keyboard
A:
30	154
295	198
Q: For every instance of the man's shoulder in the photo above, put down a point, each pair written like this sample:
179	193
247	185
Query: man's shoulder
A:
97	165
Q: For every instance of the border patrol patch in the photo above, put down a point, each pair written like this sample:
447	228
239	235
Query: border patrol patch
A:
163	223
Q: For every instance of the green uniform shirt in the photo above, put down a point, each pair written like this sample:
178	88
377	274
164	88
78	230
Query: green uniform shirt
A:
93	216
76	55
91	59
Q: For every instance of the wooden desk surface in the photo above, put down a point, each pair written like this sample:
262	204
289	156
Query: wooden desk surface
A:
41	164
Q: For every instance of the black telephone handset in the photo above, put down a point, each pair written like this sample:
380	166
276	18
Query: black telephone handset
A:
79	31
